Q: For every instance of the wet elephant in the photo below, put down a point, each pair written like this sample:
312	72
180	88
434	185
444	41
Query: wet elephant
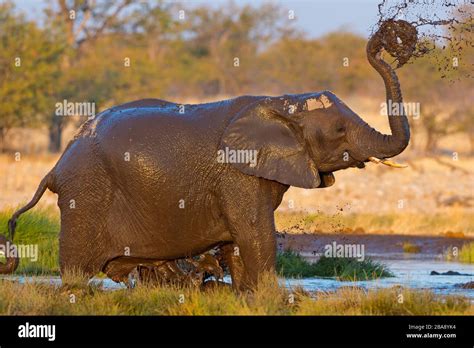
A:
151	181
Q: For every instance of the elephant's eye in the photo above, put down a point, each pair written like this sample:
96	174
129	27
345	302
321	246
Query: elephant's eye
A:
340	129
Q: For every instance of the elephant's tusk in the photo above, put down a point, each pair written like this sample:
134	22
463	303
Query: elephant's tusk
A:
375	160
394	164
387	162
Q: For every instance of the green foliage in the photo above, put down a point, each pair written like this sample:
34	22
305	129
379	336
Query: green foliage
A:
465	254
28	70
40	227
292	265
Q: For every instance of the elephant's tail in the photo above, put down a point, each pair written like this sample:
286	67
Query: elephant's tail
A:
12	262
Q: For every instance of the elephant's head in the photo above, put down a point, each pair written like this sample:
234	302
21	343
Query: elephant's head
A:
301	139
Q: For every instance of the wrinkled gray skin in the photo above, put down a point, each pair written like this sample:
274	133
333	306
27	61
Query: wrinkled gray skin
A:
117	214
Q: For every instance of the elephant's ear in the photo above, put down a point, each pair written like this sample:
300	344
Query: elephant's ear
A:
277	141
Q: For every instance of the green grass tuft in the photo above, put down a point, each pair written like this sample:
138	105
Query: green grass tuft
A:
292	265
41	227
465	254
411	248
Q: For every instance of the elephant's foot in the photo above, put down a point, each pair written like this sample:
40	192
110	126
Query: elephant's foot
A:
119	269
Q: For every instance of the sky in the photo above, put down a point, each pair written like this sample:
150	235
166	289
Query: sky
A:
315	17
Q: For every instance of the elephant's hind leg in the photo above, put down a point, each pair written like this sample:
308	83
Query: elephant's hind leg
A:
84	236
82	242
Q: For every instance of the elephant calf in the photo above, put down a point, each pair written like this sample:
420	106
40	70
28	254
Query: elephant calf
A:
151	180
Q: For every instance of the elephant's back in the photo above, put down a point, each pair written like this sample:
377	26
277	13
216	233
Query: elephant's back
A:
156	144
160	141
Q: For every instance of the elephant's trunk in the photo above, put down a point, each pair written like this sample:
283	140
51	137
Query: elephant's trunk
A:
375	143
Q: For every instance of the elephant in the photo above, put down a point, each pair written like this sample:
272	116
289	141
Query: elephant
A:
152	181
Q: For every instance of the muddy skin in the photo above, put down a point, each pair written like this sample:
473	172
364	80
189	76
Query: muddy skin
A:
141	185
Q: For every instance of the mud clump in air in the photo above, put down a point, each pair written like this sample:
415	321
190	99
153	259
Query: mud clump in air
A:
444	29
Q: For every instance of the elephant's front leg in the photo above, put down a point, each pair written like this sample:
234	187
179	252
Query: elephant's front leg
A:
230	254
249	211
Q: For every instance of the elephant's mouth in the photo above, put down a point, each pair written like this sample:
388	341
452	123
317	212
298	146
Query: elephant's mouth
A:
357	163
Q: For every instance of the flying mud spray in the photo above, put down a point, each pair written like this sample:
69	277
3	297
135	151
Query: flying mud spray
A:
444	29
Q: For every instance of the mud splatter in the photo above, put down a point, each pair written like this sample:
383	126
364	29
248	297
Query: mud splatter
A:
445	29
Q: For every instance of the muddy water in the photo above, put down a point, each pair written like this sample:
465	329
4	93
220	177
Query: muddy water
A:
409	273
410	270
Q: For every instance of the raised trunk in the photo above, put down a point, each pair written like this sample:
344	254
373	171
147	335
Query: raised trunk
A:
378	144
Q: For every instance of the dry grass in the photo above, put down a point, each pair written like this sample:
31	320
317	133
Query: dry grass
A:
458	220
269	299
425	187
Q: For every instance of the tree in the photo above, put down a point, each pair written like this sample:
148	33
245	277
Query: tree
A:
81	22
228	39
28	71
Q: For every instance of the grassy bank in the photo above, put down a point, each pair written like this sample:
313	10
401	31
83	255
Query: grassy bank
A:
465	254
269	299
455	223
293	265
40	227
